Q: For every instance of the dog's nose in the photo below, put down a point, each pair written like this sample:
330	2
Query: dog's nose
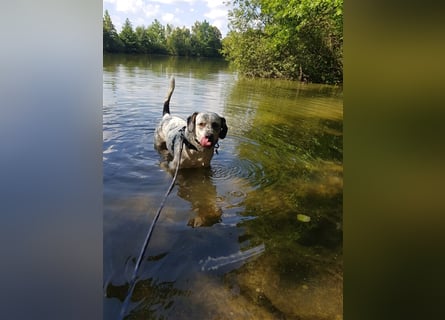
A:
210	137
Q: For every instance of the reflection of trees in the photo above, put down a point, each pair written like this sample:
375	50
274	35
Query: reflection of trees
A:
301	152
302	160
153	297
201	68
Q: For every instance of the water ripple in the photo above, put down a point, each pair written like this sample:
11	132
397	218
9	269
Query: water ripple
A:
238	168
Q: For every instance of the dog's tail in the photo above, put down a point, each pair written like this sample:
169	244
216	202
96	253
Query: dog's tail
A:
169	95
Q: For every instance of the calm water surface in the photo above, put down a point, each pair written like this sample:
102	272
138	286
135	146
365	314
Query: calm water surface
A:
256	236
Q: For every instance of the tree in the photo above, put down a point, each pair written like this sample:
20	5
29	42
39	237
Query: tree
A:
206	40
312	32
111	41
129	38
287	38
143	40
157	38
203	40
179	42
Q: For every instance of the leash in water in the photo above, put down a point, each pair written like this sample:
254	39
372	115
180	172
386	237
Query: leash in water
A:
148	236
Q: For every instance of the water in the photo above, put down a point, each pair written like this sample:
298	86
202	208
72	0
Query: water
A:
228	244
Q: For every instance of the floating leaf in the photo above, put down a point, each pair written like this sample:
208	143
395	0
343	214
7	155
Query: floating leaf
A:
303	218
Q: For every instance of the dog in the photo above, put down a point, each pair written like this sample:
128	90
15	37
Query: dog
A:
199	136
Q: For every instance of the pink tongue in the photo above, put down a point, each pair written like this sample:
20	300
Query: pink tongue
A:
205	142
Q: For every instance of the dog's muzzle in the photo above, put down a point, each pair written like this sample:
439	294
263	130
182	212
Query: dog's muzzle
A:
207	141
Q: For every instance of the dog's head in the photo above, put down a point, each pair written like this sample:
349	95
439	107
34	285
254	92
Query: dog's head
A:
206	128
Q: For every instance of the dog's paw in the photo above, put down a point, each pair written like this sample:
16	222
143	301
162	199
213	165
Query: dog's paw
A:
195	222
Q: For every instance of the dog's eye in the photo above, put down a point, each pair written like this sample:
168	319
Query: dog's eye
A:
215	126
201	124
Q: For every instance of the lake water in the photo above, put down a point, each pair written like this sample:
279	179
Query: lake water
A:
258	235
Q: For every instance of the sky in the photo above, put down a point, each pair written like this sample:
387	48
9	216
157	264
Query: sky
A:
179	13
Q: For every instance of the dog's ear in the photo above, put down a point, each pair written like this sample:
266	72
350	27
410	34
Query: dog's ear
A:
224	129
191	122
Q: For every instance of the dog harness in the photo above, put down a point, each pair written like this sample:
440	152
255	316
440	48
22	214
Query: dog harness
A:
184	140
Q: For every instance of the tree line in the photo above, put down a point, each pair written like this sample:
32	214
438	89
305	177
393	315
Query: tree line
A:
291	39
202	40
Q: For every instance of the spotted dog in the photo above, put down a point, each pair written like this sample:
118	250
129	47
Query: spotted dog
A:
199	134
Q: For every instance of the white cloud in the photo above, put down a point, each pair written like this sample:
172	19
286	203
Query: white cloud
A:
214	4
173	1
217	10
151	10
127	6
216	13
221	24
168	17
136	7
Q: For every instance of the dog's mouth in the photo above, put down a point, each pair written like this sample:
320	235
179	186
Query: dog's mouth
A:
206	142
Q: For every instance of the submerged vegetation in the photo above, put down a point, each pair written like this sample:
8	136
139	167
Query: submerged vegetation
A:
295	207
292	39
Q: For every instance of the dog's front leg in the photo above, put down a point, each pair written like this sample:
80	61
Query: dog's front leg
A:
173	164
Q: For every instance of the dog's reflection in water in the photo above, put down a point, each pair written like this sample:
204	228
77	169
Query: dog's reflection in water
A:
196	186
